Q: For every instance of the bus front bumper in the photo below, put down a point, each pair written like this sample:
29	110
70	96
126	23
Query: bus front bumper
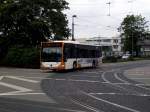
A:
56	68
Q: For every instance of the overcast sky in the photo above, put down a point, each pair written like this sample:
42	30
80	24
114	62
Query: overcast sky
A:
92	15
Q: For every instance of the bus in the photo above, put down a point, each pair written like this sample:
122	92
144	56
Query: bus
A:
65	55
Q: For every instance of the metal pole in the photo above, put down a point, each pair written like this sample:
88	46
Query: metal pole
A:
132	44
73	39
109	7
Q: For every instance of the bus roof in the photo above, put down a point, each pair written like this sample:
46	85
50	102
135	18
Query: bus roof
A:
71	42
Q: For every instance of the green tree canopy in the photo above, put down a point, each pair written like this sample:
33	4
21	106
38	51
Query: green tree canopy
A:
133	29
28	22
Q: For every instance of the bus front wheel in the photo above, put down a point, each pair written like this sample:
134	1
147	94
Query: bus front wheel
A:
93	64
74	66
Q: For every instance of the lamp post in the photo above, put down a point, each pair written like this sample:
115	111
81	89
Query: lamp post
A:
109	7
132	45
132	39
74	16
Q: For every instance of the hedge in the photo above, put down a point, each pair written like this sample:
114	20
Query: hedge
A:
22	57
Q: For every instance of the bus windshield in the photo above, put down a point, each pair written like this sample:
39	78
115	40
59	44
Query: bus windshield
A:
51	54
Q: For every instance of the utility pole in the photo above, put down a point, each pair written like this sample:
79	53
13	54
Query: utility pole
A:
74	16
109	3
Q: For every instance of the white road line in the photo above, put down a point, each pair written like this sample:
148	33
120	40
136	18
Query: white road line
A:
22	79
122	83
92	72
127	90
1	77
84	76
129	74
31	77
119	94
86	106
18	88
141	78
142	87
37	78
9	93
104	93
83	81
116	85
68	110
143	84
103	77
60	79
117	77
30	94
17	93
111	103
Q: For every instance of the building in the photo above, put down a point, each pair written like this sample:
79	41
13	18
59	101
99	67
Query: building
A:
145	47
110	46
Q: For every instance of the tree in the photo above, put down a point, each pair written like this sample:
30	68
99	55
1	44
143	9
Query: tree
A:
28	22
133	29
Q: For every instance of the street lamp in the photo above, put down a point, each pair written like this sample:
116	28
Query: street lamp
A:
109	7
74	16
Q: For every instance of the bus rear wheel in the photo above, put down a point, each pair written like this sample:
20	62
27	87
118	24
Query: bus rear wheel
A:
93	64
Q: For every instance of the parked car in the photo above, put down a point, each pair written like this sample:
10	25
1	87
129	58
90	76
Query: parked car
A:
126	56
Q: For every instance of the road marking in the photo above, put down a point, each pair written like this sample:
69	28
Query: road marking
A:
18	88
92	72
142	87
60	79
34	77
17	93
104	93
85	106
22	79
143	84
84	76
9	93
111	103
82	80
116	85
15	87
133	74
103	77
1	77
119	94
117	77
122	83
141	78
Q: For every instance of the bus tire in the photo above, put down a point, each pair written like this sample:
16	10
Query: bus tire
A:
93	64
74	65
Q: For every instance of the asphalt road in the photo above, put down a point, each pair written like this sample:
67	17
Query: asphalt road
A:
104	89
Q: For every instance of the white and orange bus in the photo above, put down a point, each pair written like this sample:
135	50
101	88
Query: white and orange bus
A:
64	55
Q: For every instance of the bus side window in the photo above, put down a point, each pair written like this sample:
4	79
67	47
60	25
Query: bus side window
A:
66	54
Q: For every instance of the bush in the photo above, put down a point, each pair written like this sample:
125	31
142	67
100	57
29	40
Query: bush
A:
22	57
109	59
131	58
